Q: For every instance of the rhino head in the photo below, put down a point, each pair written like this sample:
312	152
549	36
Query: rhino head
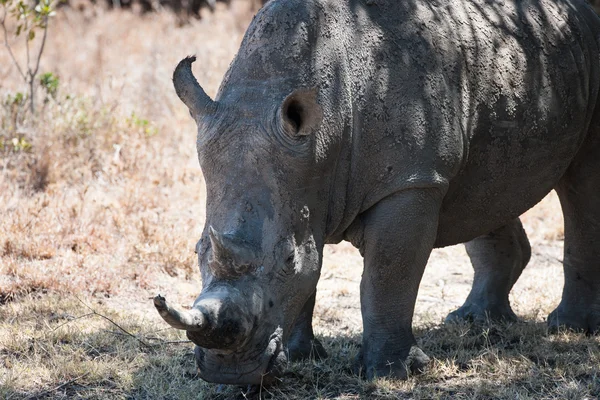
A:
261	248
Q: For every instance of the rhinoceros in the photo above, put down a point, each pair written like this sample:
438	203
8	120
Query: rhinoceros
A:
399	126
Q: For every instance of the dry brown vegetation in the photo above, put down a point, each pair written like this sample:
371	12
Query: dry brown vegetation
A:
102	201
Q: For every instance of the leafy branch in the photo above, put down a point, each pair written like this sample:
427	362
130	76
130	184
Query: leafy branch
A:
29	20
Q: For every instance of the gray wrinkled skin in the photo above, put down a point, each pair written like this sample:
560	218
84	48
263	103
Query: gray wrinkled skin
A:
400	126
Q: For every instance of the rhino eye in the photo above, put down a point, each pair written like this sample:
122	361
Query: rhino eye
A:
290	258
288	266
286	256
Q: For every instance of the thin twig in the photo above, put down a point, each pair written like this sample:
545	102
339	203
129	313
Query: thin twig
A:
114	323
38	395
71	320
123	332
163	341
30	76
39	57
12	56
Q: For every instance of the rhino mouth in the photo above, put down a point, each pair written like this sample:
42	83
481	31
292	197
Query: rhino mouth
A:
247	368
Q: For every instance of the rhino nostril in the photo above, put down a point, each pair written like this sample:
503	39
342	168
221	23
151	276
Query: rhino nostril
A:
193	338
228	335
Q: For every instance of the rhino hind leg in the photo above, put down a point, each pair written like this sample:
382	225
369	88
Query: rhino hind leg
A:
579	193
302	343
498	259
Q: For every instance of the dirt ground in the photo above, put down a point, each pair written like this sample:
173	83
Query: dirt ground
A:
102	209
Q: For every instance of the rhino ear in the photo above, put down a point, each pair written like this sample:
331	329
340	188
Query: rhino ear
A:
300	113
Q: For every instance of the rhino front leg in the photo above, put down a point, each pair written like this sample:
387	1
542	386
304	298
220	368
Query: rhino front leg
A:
302	343
398	236
498	259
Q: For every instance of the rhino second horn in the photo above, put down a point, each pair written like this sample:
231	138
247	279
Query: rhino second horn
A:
193	320
229	258
189	90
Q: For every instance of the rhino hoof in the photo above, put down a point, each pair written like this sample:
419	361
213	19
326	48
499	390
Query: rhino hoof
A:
576	321
472	313
415	363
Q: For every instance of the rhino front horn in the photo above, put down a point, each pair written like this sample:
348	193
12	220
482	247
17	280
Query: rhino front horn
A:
189	90
193	320
230	257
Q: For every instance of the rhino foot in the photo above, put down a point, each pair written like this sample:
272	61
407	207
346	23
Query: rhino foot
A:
478	313
379	365
302	343
577	319
498	259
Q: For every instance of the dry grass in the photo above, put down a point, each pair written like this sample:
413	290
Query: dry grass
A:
53	347
102	199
